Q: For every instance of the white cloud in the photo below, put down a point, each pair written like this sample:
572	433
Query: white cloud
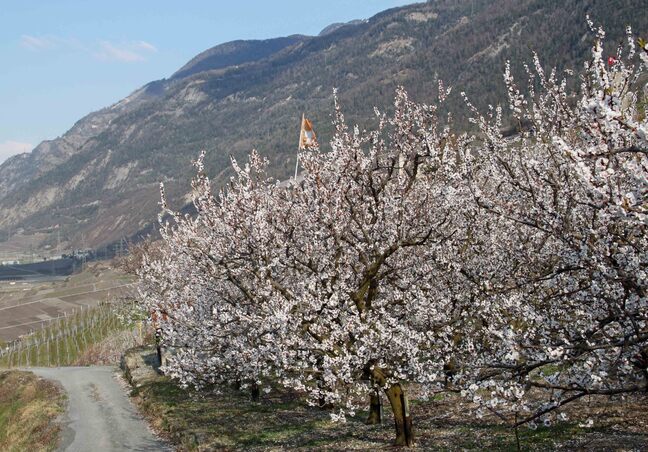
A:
125	51
50	42
9	148
147	46
38	43
110	51
128	52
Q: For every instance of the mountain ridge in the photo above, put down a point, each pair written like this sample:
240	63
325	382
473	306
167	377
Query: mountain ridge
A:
234	53
99	180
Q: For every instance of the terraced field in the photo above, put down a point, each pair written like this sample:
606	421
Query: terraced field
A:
27	306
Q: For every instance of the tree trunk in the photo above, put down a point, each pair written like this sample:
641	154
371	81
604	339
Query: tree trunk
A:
375	409
158	345
323	404
402	418
255	392
400	407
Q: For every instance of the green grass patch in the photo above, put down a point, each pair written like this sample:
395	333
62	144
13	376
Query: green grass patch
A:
229	419
29	407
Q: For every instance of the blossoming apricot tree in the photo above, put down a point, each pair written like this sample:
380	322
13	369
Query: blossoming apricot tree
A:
566	283
413	254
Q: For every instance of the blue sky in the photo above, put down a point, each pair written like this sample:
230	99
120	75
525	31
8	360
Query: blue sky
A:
62	59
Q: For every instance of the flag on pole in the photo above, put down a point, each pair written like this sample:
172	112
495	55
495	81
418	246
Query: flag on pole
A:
307	138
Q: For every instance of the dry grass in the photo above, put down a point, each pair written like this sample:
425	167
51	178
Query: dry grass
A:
29	408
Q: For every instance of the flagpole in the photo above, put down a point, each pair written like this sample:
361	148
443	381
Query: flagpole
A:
296	166
301	131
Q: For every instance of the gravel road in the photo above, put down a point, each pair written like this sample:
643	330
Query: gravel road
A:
100	417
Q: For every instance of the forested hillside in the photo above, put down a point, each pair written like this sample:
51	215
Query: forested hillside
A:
100	179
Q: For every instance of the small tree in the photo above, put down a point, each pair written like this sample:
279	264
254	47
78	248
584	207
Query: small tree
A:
368	234
204	289
336	285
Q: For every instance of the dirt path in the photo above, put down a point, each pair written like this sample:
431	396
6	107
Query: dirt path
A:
100	416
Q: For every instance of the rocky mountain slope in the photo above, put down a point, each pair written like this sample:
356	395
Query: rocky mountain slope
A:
98	181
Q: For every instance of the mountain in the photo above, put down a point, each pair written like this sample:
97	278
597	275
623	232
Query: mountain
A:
99	181
336	26
235	53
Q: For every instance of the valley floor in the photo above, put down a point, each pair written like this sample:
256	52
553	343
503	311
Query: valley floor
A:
28	305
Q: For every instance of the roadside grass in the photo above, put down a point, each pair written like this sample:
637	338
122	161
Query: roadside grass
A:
29	407
228	419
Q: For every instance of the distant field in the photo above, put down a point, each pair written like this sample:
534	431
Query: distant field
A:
16	248
26	306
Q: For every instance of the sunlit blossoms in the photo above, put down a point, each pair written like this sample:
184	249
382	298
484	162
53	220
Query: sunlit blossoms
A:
566	279
501	268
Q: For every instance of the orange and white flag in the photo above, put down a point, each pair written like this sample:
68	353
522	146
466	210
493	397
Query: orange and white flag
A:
307	138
